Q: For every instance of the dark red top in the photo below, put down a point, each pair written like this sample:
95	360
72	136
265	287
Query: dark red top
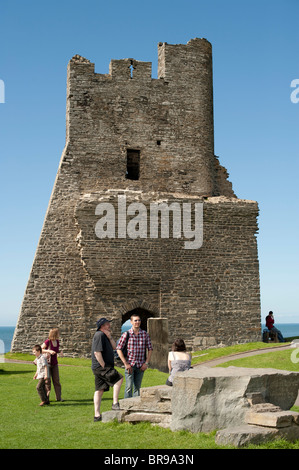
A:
54	360
269	322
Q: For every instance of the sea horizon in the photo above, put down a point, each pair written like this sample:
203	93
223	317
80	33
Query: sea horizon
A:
288	329
263	322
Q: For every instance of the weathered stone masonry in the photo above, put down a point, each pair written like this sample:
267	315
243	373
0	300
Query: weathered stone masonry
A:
151	140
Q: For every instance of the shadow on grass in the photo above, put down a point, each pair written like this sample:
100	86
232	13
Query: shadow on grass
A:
83	402
12	372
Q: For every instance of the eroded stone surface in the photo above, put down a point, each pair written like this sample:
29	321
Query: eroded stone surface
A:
205	399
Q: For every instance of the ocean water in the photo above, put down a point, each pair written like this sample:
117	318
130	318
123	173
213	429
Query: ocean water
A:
6	333
288	329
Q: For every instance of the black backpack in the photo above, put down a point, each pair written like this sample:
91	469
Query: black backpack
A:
125	346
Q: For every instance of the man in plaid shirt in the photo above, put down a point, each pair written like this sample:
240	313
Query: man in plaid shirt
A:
136	362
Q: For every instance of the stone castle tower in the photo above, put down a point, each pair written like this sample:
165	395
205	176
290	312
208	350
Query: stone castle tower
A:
132	139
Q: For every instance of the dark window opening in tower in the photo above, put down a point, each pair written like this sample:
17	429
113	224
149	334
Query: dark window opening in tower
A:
133	164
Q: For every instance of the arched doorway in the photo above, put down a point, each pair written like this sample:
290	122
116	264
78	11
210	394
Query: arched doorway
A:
142	313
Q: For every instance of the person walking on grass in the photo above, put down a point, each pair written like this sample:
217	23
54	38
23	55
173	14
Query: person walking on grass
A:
42	374
102	357
51	346
136	362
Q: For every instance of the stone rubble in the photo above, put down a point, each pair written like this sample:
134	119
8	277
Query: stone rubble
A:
247	406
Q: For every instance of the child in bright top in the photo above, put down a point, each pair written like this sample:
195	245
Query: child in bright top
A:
42	374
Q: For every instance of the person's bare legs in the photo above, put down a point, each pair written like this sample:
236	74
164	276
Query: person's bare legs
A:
116	390
97	398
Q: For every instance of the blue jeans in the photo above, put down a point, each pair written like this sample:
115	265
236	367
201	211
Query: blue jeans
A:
133	381
279	334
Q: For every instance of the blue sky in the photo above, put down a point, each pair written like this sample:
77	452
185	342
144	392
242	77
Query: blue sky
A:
255	58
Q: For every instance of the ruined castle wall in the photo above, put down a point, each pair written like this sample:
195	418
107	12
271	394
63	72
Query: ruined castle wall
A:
169	120
76	277
55	293
209	292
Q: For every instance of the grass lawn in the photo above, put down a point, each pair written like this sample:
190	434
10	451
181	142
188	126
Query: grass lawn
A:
214	353
69	425
281	360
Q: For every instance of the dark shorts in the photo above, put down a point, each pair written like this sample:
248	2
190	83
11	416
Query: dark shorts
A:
106	377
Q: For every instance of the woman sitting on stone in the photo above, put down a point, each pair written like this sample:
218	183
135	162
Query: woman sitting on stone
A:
178	360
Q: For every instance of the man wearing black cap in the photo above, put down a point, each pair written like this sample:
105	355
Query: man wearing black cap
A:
102	364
